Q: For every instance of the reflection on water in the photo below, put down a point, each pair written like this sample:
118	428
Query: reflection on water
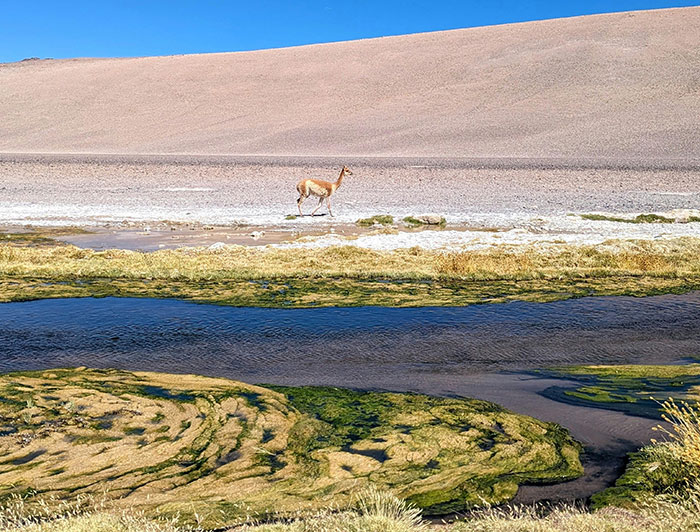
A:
311	345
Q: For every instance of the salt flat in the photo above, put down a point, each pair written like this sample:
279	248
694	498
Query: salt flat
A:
513	127
515	201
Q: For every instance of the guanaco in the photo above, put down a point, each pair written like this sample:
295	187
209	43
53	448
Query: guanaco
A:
322	189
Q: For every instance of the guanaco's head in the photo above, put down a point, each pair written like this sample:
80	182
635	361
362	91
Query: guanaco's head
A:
347	170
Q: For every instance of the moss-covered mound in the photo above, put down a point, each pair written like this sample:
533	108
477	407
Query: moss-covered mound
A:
633	389
225	450
379	219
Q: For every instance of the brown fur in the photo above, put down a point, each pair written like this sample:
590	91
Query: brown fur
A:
321	189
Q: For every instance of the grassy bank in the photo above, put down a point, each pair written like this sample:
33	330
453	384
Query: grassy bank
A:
348	276
382	512
219	452
660	492
668	467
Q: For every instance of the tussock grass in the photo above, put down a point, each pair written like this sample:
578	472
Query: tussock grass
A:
382	219
671	258
375	511
655	516
684	419
679	257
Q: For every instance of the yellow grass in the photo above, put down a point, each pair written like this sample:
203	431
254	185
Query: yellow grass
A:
684	419
672	258
381	512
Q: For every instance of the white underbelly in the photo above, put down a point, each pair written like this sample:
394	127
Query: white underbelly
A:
316	189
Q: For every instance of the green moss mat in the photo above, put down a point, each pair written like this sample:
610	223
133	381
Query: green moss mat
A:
381	219
343	292
224	450
633	389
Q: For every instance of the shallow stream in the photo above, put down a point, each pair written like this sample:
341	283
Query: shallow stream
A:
482	351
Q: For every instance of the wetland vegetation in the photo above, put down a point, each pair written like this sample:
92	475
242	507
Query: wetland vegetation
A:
224	450
378	219
351	276
658	493
634	389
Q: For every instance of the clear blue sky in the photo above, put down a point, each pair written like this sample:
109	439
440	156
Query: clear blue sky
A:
111	28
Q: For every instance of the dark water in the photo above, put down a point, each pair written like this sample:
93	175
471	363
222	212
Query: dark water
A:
264	345
477	351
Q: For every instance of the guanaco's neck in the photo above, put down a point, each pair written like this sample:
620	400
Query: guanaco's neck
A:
340	178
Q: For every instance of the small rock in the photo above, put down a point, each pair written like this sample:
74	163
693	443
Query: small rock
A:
208	227
217	246
257	234
430	219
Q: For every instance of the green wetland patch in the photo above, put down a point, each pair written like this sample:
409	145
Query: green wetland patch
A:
350	276
634	389
224	450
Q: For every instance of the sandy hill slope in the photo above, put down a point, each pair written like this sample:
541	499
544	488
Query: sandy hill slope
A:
624	85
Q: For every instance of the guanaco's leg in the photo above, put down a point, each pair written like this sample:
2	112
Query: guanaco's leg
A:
320	202
328	204
299	202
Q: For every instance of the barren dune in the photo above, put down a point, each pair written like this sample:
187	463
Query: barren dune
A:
617	86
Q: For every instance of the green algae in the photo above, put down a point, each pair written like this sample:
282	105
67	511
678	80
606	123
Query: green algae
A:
381	219
634	389
271	450
345	292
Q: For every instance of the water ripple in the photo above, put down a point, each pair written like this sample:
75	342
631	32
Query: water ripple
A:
266	344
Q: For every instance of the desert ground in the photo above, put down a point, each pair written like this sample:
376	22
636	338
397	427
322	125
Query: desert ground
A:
620	86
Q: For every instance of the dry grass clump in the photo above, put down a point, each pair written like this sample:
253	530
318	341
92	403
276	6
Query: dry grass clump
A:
672	258
655	516
124	521
234	262
684	419
375	511
80	515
